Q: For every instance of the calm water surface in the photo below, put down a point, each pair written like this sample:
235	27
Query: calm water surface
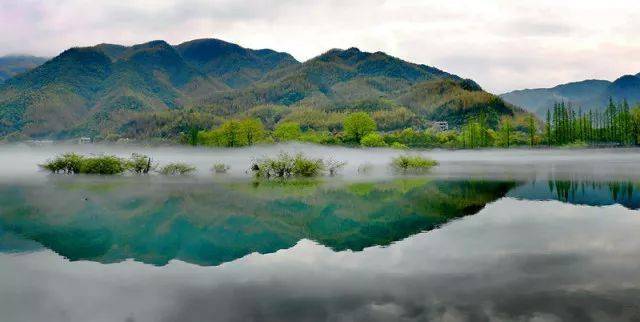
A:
487	236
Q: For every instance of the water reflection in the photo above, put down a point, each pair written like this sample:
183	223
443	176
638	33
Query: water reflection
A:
592	193
110	220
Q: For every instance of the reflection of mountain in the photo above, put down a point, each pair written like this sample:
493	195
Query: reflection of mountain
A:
211	224
582	193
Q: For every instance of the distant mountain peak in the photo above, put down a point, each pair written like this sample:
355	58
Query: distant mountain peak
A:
627	80
12	65
588	94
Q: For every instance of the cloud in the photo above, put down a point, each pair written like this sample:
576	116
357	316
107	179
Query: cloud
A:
502	44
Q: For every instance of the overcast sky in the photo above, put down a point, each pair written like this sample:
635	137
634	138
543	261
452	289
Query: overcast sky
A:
503	45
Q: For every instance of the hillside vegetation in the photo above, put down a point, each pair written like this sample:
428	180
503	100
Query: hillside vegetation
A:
155	90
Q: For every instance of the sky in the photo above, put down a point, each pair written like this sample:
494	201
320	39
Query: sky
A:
503	45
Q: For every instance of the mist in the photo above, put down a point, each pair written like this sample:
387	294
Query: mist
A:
20	161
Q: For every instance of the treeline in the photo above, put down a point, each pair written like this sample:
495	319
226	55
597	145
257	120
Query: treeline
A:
617	124
398	127
361	128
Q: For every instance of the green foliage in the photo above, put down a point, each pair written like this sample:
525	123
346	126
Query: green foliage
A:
285	166
287	131
357	125
251	131
617	124
69	163
373	139
412	164
505	137
412	138
234	133
230	134
177	169
72	163
532	130
106	164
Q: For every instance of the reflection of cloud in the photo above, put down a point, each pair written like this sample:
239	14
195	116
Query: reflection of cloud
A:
560	41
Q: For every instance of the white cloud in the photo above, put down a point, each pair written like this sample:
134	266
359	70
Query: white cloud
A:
502	44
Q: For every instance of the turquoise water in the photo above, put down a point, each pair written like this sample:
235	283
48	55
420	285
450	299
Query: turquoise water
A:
459	244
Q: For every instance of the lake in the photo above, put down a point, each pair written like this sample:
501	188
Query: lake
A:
488	235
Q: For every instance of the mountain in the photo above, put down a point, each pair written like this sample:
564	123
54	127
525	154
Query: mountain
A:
236	66
13	65
100	89
342	79
588	94
84	86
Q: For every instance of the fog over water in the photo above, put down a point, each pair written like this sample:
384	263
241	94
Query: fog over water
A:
21	161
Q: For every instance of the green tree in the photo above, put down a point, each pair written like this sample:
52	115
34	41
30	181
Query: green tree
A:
230	134
357	125
506	130
531	128
251	131
193	135
287	131
634	116
548	128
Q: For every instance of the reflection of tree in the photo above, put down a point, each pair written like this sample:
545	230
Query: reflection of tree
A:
212	224
593	193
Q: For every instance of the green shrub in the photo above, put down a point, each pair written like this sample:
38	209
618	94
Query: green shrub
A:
72	163
220	168
177	169
69	163
412	164
106	164
285	166
304	167
372	140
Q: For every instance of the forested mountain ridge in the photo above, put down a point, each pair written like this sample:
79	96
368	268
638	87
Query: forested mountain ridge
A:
587	95
101	90
15	64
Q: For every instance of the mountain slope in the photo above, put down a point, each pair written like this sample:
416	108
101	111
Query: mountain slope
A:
96	90
588	94
13	65
236	66
344	78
